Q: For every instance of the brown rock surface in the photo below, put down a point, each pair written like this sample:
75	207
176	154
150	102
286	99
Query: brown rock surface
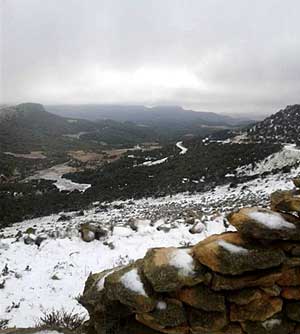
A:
266	224
260	309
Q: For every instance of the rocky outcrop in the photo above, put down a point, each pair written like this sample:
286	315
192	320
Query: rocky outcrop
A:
246	281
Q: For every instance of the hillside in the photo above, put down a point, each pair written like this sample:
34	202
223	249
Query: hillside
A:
175	119
281	127
28	127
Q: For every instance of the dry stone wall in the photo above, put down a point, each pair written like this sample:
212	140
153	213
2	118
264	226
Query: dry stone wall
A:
240	282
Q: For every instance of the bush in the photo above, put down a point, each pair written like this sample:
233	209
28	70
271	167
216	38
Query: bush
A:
62	319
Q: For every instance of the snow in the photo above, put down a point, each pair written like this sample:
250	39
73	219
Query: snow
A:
161	305
288	156
181	147
72	260
232	248
271	220
132	281
153	163
56	173
182	260
271	323
100	283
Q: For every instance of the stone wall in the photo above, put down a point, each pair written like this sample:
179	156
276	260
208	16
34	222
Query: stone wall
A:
240	282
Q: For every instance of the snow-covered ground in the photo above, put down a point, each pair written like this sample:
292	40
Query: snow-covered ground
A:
51	276
56	173
288	156
183	149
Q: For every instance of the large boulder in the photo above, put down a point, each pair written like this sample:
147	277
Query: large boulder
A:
168	269
229	253
262	223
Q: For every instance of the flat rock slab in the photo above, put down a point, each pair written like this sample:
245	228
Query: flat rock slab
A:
230	254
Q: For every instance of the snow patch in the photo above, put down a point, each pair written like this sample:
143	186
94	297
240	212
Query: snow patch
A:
182	260
154	163
271	220
270	324
132	281
161	305
232	248
183	149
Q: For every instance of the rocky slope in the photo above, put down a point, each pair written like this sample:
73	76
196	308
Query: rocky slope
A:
282	127
232	283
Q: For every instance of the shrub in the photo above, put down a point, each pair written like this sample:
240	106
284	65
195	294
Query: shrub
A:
61	319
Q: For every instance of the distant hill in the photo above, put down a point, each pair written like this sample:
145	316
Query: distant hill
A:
158	115
281	127
29	126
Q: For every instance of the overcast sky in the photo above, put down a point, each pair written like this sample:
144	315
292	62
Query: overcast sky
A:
233	56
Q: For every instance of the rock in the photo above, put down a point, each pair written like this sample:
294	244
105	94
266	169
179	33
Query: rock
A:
274	290
167	313
207	322
244	296
198	227
39	239
296	182
260	309
91	231
201	297
228	253
168	269
291	293
29	239
87	235
289	277
286	201
274	325
128	286
292	310
261	224
64	218
148	321
220	282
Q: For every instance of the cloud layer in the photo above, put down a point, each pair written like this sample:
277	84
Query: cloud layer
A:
226	56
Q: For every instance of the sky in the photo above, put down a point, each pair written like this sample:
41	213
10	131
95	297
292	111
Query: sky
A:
234	56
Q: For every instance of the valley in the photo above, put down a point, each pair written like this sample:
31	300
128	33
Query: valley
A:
88	205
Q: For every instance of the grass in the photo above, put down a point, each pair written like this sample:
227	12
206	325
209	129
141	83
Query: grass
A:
61	319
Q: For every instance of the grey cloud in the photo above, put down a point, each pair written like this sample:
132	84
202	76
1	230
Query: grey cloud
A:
227	56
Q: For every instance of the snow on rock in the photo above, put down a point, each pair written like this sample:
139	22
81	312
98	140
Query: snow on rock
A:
161	305
132	281
271	323
232	248
183	149
182	260
271	220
